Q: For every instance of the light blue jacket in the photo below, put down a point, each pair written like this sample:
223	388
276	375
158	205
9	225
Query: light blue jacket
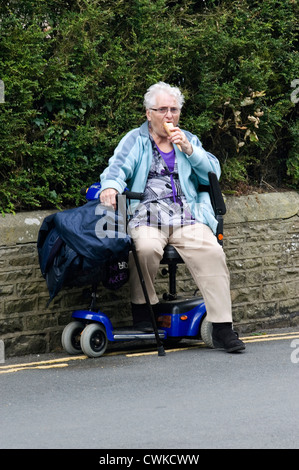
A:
130	164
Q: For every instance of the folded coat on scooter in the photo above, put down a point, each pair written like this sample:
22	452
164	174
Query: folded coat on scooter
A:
84	245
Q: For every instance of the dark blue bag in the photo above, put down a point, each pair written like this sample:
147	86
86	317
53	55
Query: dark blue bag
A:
84	245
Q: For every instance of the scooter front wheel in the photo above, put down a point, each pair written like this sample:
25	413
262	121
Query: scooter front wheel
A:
94	340
70	338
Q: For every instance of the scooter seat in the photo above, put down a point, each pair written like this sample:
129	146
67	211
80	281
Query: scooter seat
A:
171	255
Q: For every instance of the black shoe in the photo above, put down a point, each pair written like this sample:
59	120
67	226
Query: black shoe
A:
225	337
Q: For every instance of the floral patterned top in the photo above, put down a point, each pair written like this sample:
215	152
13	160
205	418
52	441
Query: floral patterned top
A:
164	203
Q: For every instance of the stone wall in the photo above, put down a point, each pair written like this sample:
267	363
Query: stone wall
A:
261	244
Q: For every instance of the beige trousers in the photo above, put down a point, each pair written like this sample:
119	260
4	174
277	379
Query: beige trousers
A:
203	256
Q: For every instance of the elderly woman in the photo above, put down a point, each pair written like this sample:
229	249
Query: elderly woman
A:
169	169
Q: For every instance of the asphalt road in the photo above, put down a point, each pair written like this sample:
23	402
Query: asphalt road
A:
193	398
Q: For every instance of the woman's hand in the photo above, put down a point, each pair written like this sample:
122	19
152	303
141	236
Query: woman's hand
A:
108	197
178	137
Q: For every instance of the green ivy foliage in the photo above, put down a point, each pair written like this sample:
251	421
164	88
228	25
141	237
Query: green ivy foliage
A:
75	73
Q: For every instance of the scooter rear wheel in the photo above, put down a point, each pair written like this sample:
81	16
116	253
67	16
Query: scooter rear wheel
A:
94	340
206	329
70	338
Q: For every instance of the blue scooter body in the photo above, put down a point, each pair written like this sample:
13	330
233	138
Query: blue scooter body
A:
183	325
171	325
98	317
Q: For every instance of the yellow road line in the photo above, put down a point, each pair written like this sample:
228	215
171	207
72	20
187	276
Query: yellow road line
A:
152	353
49	361
49	364
17	369
145	353
270	335
257	340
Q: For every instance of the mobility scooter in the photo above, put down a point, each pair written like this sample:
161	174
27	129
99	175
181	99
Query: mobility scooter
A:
91	330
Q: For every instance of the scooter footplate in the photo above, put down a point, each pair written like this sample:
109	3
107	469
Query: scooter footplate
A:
130	334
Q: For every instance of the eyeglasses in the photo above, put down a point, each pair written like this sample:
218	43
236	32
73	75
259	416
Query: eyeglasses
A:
165	109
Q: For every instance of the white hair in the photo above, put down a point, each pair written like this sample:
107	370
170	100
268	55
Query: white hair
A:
161	87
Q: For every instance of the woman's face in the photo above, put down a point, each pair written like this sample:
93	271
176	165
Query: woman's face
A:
157	119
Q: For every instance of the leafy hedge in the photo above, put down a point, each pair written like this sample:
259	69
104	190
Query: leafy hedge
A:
75	73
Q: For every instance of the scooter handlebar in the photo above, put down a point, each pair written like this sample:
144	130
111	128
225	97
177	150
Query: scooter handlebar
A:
133	195
93	192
